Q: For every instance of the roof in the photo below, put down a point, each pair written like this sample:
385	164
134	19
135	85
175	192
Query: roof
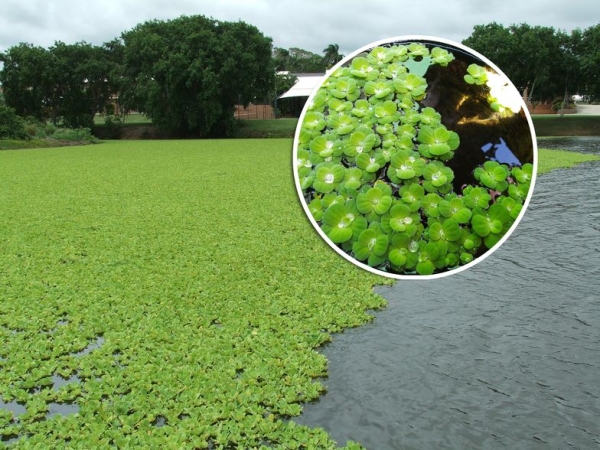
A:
305	85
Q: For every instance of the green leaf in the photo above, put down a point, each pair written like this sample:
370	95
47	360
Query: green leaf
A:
476	75
451	230
481	225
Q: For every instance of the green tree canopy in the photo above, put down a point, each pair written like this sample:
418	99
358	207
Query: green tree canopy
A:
187	74
297	60
67	82
586	46
25	80
332	55
537	58
81	73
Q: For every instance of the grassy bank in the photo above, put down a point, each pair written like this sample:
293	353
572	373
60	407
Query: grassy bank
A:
545	125
130	119
567	125
280	128
174	289
18	144
557	159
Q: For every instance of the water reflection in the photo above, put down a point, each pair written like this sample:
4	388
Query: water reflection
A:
499	151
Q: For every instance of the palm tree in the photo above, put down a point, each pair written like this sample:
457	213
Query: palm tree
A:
332	55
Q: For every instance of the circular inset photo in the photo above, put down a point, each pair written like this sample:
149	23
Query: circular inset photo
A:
415	157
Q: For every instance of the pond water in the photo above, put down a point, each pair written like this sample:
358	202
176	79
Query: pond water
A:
503	355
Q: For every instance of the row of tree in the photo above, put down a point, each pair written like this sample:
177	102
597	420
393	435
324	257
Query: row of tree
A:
186	75
542	62
297	60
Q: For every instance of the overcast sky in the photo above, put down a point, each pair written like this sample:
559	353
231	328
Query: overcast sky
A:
307	24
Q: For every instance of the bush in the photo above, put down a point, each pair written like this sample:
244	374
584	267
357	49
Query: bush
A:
558	102
12	126
49	129
32	130
113	125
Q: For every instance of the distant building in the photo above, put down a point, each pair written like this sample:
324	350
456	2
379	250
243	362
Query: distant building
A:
292	101
305	84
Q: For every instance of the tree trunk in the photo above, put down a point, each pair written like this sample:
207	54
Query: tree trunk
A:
565	101
532	87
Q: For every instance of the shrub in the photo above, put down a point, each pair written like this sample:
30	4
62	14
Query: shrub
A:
557	104
12	126
113	125
31	129
49	129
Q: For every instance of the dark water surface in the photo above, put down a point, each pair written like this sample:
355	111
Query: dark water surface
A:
503	355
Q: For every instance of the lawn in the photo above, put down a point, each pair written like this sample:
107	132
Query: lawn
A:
130	119
171	293
266	128
166	294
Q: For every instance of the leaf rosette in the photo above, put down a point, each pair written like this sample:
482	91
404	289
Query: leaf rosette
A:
492	175
410	83
373	200
338	221
476	75
401	219
437	142
344	88
362	68
405	165
387	112
436	175
378	89
371	245
327	177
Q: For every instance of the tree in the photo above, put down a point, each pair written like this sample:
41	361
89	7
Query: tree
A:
67	83
537	59
297	60
187	74
12	126
281	59
81	86
587	50
25	79
332	55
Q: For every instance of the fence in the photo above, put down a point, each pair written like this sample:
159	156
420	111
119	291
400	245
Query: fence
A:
254	112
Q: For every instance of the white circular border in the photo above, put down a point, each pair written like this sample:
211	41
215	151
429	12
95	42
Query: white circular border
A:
402	40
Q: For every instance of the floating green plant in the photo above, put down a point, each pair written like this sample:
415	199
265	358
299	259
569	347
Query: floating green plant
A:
112	283
400	211
476	75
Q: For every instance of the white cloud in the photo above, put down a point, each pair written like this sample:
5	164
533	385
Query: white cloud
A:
310	24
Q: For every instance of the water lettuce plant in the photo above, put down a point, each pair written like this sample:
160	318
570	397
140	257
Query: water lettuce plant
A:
154	295
383	155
